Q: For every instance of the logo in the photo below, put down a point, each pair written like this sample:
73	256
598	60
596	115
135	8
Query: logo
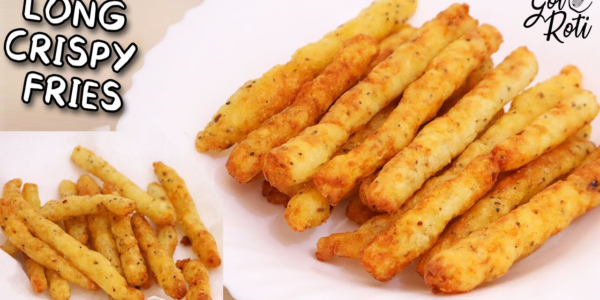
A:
564	18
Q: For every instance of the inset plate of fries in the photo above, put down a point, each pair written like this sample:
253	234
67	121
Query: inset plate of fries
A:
106	235
405	129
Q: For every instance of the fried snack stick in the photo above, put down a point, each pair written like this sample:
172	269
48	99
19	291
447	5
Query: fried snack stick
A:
417	230
132	261
258	100
59	288
313	100
169	277
77	227
72	206
35	271
166	235
390	43
446	137
9	247
203	243
93	264
103	240
488	253
160	212
551	129
358	212
285	167
525	108
420	103
514	190
196	275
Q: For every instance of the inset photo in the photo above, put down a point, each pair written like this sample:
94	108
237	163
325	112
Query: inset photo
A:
119	215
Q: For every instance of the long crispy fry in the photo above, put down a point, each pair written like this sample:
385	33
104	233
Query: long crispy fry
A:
9	247
315	97
247	109
356	107
488	253
547	131
297	160
161	263
358	212
166	235
103	240
203	243
35	271
196	274
59	288
77	227
93	264
418	229
513	191
447	136
420	103
72	206
160	212
132	261
390	43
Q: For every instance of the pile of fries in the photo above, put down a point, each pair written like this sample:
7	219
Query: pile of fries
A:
57	237
409	125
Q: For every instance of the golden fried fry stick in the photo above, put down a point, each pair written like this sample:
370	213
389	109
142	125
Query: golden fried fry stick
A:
35	271
203	243
59	288
420	103
315	97
390	43
417	230
103	240
9	247
166	235
547	131
247	109
132	261
525	108
356	107
72	206
273	195
161	263
513	191
358	212
196	275
446	137
488	253
77	227
472	81
93	264
160	212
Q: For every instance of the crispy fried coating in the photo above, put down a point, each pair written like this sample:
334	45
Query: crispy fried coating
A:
390	43
420	103
161	263
72	206
35	271
488	253
313	100
247	109
59	288
307	209
472	80
160	212
358	212
513	191
93	264
446	137
525	108
547	131
273	195
418	229
196	275
76	227
166	235
296	161
203	243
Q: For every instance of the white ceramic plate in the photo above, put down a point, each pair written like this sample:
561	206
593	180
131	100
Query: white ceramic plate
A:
43	158
221	44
